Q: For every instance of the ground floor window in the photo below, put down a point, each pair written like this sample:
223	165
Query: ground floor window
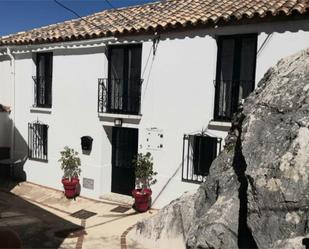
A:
37	141
199	151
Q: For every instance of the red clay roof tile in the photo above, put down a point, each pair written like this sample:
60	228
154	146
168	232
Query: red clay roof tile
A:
162	14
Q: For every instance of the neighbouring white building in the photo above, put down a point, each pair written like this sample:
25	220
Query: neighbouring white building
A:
164	77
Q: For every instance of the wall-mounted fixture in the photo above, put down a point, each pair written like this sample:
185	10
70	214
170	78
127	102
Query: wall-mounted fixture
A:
154	139
86	142
118	122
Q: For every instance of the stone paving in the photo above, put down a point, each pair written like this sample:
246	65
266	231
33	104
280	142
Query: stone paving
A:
41	217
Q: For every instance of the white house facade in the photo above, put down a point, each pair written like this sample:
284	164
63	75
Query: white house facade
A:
169	92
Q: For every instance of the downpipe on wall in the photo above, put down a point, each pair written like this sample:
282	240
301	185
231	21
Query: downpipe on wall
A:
12	150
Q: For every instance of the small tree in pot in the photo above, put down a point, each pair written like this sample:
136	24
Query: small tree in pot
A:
70	164
144	175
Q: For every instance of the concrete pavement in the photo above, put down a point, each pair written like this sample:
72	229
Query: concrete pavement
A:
41	217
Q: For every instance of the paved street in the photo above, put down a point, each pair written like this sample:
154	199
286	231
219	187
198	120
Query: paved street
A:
42	218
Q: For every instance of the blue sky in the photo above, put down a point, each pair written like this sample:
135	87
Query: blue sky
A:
21	15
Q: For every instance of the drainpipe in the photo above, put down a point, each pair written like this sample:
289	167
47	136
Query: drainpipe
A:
12	150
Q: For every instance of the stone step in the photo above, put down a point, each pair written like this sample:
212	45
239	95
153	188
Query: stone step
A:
125	200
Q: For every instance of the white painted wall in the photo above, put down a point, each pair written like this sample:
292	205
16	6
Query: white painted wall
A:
180	93
280	45
72	116
177	98
5	76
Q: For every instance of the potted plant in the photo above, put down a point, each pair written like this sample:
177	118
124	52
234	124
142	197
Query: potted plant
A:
70	164
144	176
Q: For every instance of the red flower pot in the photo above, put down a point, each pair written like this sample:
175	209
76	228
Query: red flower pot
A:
142	199
70	187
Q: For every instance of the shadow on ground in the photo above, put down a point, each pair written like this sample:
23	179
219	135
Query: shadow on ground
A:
35	227
22	223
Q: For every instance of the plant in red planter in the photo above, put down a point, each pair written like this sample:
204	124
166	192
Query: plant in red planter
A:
70	164
144	176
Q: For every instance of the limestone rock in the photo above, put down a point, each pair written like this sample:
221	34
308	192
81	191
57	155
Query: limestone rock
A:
257	192
275	144
214	209
292	243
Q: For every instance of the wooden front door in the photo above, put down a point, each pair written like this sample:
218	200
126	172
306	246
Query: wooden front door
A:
124	150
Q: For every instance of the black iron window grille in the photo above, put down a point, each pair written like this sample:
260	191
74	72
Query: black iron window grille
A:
43	80
199	151
112	98
235	77
38	141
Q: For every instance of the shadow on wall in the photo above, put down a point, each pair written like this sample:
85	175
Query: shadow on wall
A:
20	157
11	168
23	224
5	124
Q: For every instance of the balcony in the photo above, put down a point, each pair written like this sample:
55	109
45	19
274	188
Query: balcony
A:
42	92
229	95
119	96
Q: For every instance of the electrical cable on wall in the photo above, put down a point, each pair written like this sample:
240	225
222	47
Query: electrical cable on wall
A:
265	42
154	49
147	61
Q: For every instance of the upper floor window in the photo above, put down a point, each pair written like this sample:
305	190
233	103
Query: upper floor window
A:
121	91
43	80
199	151
37	141
235	77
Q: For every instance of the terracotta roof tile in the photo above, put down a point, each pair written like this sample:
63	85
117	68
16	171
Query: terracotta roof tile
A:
162	14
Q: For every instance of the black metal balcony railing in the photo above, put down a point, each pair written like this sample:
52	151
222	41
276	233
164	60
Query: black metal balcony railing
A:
119	96
42	92
228	96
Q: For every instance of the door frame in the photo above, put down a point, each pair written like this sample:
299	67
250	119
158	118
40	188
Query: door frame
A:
114	130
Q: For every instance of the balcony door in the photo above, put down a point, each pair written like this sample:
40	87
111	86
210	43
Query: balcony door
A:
124	79
235	77
124	150
43	81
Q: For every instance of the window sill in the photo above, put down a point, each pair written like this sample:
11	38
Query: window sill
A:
38	160
109	118
40	110
116	115
219	125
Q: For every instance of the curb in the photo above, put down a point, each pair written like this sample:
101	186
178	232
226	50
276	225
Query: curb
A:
123	240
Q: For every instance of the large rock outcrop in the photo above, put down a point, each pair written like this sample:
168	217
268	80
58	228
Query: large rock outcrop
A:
257	192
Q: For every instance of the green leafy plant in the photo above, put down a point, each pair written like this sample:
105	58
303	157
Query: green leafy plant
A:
144	173
70	163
